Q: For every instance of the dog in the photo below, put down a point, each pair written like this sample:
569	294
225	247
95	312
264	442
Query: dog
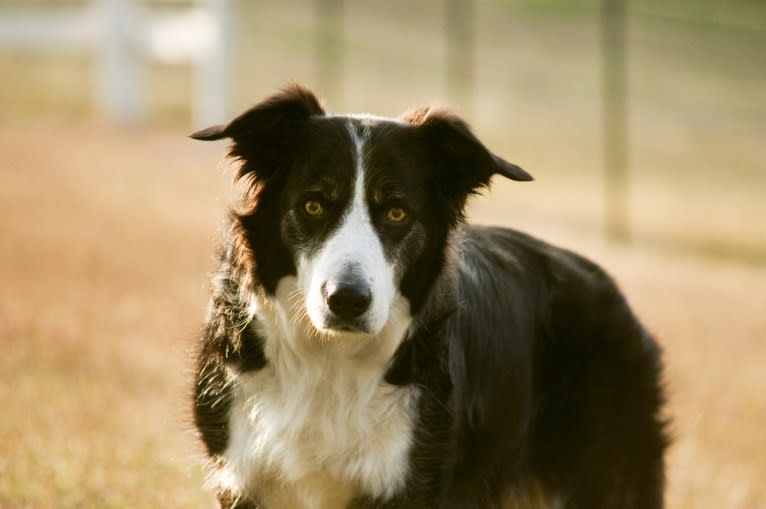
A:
366	348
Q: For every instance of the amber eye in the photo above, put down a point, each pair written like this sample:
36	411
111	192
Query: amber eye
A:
396	214
313	208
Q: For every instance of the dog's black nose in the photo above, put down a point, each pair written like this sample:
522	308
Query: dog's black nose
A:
346	300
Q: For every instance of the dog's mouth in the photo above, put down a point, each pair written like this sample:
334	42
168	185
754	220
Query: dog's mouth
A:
336	325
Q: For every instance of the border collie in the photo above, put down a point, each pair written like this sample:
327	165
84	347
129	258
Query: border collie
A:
365	348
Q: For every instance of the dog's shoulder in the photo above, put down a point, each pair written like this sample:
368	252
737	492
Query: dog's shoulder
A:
516	253
508	269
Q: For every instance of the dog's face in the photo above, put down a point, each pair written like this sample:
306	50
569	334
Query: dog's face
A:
355	211
352	219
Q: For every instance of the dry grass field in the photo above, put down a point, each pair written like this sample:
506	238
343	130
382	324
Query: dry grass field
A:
106	240
106	234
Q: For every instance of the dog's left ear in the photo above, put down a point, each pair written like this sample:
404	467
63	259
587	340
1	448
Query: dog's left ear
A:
462	161
262	135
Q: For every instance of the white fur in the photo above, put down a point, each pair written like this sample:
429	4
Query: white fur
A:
369	118
318	425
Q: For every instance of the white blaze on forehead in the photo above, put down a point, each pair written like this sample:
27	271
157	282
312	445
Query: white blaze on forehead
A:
367	119
358	218
353	250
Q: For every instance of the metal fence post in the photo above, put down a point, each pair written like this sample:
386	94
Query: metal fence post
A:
459	21
613	43
328	59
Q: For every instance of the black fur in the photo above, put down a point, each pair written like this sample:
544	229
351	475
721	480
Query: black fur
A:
535	373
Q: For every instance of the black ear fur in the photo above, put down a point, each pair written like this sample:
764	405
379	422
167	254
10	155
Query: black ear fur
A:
261	134
215	132
457	149
510	170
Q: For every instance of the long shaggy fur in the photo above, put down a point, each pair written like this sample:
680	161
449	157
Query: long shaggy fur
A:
510	374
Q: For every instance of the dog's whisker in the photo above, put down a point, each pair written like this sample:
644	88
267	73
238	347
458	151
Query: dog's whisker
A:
296	295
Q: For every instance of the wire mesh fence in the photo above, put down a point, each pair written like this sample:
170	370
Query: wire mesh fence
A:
641	120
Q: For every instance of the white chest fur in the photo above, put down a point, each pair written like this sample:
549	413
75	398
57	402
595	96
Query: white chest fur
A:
319	439
318	442
318	425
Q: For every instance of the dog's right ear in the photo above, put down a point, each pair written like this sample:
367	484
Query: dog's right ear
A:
262	134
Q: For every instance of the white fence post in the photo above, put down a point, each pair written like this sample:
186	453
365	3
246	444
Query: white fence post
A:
120	72
211	72
122	36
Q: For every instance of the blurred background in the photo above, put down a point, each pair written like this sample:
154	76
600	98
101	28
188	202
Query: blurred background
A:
644	123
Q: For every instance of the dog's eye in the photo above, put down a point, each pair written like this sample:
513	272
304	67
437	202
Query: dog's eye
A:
396	214
313	208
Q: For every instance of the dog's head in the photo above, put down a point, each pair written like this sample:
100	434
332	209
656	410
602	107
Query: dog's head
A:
354	210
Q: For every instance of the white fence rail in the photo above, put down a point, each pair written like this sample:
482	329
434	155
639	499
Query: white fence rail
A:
122	35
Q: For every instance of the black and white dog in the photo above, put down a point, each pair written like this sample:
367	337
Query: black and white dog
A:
365	348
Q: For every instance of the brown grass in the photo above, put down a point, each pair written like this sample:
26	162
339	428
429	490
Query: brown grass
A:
106	235
106	240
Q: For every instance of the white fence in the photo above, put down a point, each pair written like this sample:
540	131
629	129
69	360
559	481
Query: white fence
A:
122	35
